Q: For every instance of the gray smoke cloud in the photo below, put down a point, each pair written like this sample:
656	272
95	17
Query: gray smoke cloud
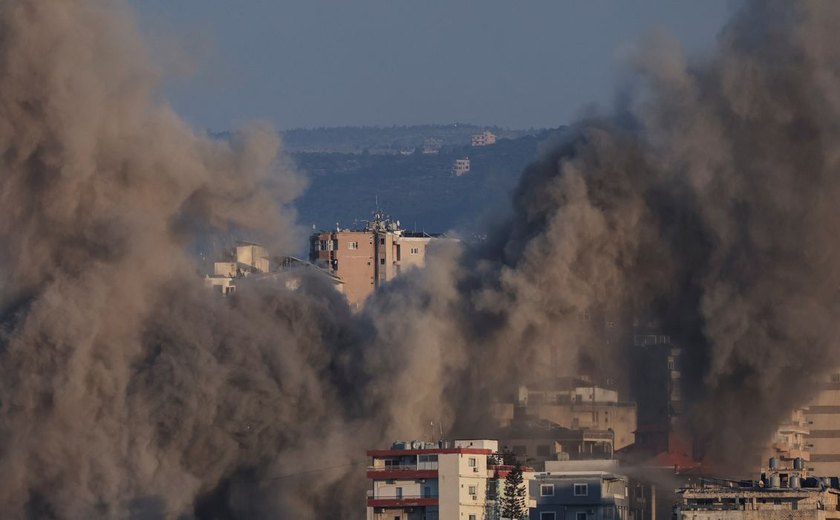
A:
126	390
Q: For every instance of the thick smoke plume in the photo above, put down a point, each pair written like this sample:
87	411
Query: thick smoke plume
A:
709	201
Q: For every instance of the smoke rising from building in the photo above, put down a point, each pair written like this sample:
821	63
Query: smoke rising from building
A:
709	201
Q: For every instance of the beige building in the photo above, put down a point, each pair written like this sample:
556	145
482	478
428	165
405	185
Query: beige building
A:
485	138
789	441
461	167
364	260
576	404
823	439
783	493
433	481
249	260
348	255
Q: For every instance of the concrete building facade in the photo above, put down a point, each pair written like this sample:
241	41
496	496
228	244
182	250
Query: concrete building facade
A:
783	493
579	495
576	404
485	138
364	260
431	481
823	421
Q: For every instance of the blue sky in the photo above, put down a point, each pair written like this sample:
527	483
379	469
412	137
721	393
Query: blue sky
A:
312	63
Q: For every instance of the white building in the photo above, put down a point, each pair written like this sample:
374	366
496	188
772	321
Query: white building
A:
433	481
485	138
461	166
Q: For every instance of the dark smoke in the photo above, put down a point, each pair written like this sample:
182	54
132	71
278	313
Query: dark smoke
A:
126	390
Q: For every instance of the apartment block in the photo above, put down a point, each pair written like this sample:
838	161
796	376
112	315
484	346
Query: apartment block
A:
485	138
823	422
558	494
433	481
365	259
782	493
577	404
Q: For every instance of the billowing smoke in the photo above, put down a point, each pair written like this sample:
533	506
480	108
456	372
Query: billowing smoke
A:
709	201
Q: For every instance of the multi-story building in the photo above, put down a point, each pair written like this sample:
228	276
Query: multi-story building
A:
250	260
823	421
534	442
574	403
783	493
364	260
485	138
559	494
433	481
461	166
789	441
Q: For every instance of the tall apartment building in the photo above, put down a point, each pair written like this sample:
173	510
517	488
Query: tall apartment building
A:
823	439
364	260
432	481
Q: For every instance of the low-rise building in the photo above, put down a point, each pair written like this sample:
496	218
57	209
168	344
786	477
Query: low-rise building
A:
252	261
578	495
782	493
534	441
485	138
461	166
577	404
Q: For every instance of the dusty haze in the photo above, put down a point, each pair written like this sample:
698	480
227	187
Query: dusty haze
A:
708	200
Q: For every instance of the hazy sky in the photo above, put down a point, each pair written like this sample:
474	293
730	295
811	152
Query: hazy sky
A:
312	63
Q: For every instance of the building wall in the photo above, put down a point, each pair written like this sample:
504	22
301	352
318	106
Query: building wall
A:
605	499
350	256
456	478
364	260
823	416
620	418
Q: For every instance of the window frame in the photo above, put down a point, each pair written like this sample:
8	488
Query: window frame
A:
543	487
584	486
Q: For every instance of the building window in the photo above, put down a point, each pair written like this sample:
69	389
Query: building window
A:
580	516
548	516
519	450
472	517
398	492
471	462
415	250
381	261
382	241
547	490
352	245
472	490
581	490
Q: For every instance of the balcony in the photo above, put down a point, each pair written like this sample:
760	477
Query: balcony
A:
403	501
395	472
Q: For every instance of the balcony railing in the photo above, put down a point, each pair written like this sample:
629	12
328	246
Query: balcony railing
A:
402	497
407	467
